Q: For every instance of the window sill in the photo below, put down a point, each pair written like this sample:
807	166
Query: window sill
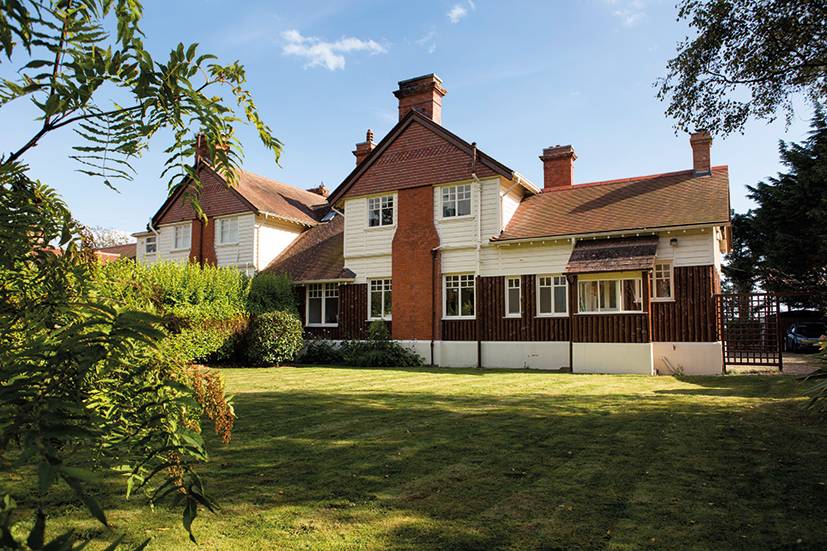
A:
663	299
376	228
562	315
513	316
232	244
610	313
457	218
321	325
379	319
179	250
458	318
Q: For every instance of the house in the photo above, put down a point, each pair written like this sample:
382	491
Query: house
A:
472	264
116	252
247	226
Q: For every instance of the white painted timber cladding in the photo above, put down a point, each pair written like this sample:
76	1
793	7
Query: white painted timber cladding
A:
140	253
166	240
369	267
462	231
239	254
694	249
272	238
360	240
510	202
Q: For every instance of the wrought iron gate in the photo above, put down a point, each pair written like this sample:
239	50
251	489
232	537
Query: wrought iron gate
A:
749	327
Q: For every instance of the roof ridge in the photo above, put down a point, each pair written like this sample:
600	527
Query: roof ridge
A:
629	180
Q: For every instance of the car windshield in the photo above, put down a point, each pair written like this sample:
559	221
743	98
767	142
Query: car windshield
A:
811	330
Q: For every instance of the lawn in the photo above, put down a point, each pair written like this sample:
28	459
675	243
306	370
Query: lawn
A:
334	458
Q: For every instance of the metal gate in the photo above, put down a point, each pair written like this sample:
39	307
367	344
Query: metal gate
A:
749	326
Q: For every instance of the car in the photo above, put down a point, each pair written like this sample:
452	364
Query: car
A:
805	335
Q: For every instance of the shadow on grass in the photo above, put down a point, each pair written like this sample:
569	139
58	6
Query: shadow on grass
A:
473	471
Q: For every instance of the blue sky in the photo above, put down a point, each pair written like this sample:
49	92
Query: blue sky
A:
520	76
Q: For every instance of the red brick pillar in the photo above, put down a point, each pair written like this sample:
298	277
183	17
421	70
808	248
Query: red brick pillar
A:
415	279
202	248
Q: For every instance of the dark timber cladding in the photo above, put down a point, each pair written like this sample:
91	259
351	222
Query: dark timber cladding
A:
614	328
691	316
353	313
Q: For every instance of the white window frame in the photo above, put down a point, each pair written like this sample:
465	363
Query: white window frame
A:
219	222
154	244
508	281
671	268
553	286
188	228
473	286
457	188
618	282
386	286
383	202
328	290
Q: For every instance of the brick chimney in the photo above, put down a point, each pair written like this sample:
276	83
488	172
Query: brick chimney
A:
321	189
202	148
701	143
424	94
362	149
558	166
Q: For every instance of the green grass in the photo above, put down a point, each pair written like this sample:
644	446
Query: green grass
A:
334	458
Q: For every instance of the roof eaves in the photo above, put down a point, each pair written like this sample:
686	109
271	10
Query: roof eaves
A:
608	233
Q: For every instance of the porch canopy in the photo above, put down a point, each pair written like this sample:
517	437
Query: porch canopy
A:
613	255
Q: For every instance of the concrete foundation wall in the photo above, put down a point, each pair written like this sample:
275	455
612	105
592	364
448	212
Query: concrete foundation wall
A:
689	358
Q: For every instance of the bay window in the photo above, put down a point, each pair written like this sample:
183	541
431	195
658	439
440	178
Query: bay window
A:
663	281
458	296
610	296
512	297
322	308
380	211
552	295
456	201
379	299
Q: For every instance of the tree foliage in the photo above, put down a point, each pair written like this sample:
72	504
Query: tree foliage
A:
84	388
747	59
782	243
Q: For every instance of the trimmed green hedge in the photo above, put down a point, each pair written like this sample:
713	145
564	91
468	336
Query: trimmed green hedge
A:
271	293
274	338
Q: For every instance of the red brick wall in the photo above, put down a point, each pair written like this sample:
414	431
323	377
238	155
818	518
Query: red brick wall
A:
417	157
414	278
202	249
216	200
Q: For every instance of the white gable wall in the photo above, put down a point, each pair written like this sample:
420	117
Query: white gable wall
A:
272	237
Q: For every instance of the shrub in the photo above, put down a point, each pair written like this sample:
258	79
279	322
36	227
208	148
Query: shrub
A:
321	352
274	337
379	350
270	293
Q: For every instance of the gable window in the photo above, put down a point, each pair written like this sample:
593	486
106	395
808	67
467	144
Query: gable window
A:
182	238
227	229
610	295
380	211
552	295
151	244
379	299
456	201
664	288
322	304
512	297
459	296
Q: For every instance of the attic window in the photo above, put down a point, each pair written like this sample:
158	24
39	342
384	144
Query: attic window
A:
456	201
380	211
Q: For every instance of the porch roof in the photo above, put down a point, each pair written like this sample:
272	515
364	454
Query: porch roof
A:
613	255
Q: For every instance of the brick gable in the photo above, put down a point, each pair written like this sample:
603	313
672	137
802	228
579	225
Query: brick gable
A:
417	157
216	200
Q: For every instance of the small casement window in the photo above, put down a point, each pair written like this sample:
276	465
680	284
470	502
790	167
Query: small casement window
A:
151	244
552	295
610	296
322	304
459	296
512	297
227	230
182	237
379	299
456	201
380	211
664	281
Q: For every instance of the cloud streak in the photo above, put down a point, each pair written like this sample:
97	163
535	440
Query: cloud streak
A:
630	12
459	11
321	53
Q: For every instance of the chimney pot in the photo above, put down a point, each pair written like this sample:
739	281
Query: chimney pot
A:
701	142
423	94
363	149
558	166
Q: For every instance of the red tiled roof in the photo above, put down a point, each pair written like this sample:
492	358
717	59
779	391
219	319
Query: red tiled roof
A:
129	250
645	202
316	255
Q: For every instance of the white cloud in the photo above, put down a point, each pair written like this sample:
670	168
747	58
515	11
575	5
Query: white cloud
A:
428	41
459	11
330	55
630	12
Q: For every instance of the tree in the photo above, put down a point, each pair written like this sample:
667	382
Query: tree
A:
748	59
785	237
108	237
83	386
741	269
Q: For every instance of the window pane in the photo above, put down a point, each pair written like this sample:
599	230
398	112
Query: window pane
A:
514	300
449	209
468	301
631	294
608	295
387	303
451	301
464	207
560	300
663	289
314	310
545	300
588	296
373	218
387	216
376	304
331	309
